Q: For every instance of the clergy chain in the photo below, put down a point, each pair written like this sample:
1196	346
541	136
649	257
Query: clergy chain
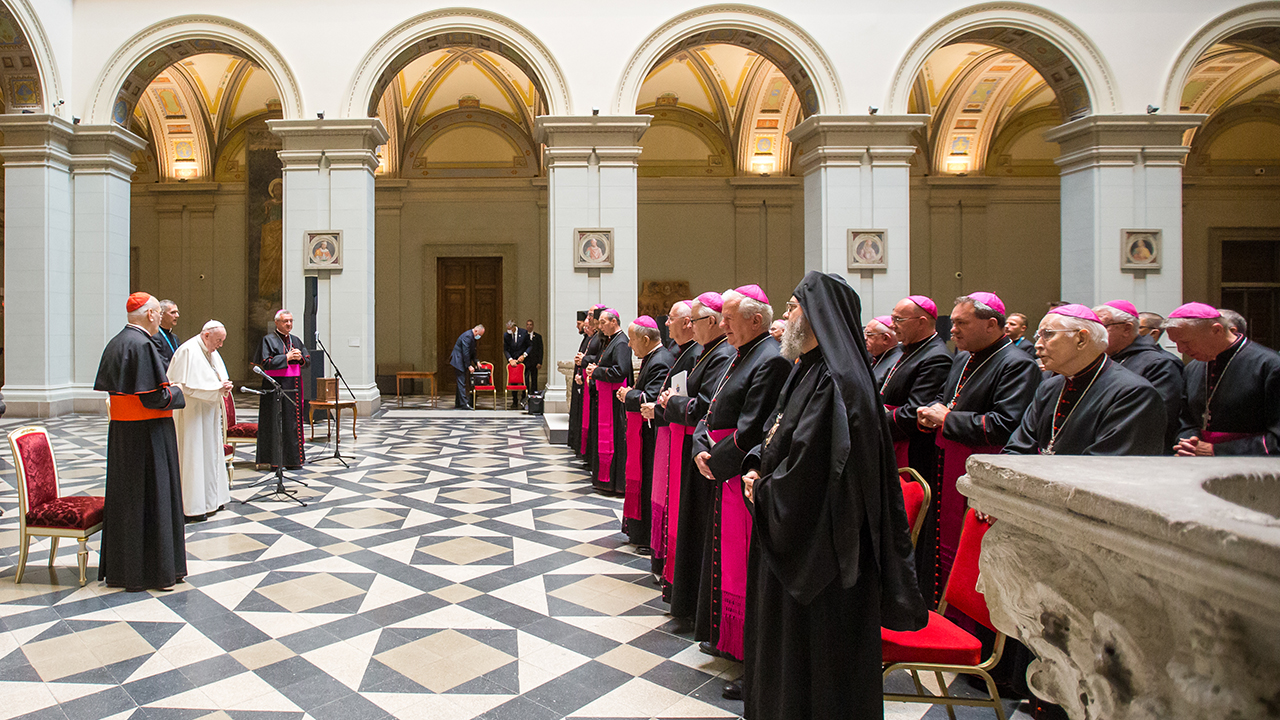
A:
1055	429
905	358
966	376
1209	393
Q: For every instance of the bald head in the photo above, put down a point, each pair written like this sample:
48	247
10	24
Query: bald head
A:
147	317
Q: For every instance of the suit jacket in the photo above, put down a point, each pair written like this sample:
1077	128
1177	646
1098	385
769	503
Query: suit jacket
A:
515	346
464	351
534	356
166	344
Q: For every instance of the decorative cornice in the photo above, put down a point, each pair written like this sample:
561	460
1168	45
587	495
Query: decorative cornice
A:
1119	140
833	140
459	19
590	131
814	60
336	134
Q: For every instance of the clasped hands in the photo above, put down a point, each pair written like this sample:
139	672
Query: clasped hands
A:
646	410
293	355
621	394
1193	447
932	417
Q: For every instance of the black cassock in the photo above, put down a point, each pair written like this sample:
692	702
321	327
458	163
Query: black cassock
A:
695	492
742	404
987	392
1244	383
914	381
1164	371
271	356
595	345
575	402
143	543
880	366
613	366
1115	413
830	548
684	358
653	371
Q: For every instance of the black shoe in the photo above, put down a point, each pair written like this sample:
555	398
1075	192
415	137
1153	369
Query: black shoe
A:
732	690
707	648
195	518
683	626
644	550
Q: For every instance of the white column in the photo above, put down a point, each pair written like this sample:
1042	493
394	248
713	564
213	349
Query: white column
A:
857	176
1121	172
328	185
39	265
591	163
101	168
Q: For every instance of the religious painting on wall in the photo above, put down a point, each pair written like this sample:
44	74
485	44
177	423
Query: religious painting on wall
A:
868	250
264	231
1140	249
657	296
322	250
593	248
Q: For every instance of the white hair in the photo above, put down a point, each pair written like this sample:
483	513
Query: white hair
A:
1118	315
281	313
680	309
138	316
700	311
1197	323
1097	333
212	325
644	331
749	306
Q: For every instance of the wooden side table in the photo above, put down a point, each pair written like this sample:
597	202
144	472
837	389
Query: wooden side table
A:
425	376
327	399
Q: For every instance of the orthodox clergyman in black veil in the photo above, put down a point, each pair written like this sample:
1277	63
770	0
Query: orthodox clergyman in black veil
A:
831	558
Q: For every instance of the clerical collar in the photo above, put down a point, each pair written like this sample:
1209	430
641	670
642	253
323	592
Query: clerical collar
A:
687	345
811	357
991	349
1086	371
751	344
135	325
909	349
1226	355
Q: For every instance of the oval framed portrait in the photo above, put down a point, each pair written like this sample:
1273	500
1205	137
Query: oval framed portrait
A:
1140	249
322	250
593	248
868	250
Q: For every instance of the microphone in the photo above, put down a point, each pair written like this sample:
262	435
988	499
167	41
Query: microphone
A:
244	389
259	371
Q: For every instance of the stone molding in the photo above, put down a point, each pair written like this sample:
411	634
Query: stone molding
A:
1247	17
190	27
105	149
37	140
1121	140
1071	40
834	140
50	78
799	43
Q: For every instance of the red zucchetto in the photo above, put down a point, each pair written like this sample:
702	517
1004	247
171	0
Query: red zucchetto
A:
136	301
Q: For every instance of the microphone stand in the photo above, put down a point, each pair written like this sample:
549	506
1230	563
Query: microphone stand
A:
337	430
280	493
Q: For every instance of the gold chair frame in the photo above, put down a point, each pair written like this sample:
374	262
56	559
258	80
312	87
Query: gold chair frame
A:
924	507
491	388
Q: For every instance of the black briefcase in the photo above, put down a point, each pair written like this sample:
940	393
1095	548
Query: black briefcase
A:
535	404
481	377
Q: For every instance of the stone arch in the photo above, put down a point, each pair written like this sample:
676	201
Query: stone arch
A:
454	26
147	53
987	23
49	82
779	40
1256	16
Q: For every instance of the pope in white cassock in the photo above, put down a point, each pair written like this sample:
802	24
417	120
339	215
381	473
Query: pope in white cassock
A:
198	369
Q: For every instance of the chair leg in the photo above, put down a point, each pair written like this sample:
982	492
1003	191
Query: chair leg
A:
920	690
355	415
24	544
942	687
994	694
83	557
53	550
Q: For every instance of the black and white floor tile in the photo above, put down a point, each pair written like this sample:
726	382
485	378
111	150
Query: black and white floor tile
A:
461	568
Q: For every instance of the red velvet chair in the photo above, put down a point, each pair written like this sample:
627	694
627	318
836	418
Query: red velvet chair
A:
491	387
515	381
916	495
238	433
42	510
942	646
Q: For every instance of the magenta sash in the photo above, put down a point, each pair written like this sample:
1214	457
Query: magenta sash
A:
586	413
631	509
734	542
953	505
658	495
1214	438
675	466
900	447
604	429
290	370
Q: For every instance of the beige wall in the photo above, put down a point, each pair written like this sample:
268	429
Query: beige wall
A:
1208	203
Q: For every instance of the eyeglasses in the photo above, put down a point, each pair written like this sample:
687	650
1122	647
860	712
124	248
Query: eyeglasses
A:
1046	334
1113	324
899	319
872	334
793	305
695	321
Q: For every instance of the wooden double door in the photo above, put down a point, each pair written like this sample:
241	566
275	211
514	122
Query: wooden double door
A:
469	294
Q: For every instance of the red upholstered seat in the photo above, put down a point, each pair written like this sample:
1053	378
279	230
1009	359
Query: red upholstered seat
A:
917	497
913	497
227	449
243	430
75	512
941	641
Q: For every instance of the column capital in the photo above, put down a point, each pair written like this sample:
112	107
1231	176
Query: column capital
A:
590	131
105	148
325	135
825	140
36	139
1119	140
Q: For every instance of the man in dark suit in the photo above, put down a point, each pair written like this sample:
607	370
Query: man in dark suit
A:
165	340
463	361
515	344
532	357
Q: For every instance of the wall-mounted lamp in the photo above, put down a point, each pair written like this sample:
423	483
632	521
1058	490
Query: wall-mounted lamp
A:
320	115
1152	109
75	120
872	110
595	111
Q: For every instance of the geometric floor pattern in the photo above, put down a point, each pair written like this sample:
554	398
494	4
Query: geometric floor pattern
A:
460	568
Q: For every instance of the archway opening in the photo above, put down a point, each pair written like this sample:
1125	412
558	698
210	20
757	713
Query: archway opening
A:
1231	226
463	172
716	167
207	192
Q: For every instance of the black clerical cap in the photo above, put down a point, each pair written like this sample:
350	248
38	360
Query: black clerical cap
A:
582	315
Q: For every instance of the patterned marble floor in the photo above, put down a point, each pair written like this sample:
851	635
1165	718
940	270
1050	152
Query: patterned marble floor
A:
460	568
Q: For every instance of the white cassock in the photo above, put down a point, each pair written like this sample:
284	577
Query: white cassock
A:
200	374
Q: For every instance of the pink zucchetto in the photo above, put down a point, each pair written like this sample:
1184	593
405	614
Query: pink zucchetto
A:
711	301
1075	311
1123	306
991	300
646	321
884	320
1196	310
687	303
925	304
613	312
754	292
